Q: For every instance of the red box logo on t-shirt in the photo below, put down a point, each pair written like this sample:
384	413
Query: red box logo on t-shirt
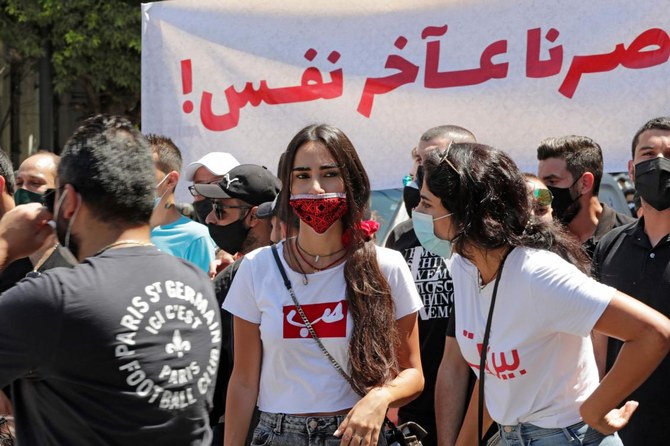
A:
329	320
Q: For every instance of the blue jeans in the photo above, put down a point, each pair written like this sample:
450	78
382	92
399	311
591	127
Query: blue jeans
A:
579	434
278	429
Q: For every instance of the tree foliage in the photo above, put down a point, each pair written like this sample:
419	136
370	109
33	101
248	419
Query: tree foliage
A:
93	44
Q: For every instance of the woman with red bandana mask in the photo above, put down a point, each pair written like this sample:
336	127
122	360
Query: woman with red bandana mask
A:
359	300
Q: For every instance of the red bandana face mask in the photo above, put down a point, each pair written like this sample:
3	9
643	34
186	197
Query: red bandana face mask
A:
319	211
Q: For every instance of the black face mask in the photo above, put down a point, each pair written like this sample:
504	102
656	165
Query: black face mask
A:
230	237
202	209
652	181
24	196
411	196
565	207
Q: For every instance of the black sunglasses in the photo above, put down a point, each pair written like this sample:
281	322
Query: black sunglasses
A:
220	209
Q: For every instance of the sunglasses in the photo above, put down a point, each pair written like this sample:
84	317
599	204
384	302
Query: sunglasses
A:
543	197
220	209
49	198
444	158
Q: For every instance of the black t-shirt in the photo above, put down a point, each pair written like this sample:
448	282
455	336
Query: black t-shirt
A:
221	286
625	260
121	349
18	269
608	220
433	282
14	272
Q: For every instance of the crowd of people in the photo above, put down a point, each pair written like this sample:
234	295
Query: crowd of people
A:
267	313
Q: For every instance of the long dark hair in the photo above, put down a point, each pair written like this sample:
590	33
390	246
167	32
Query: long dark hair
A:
490	204
374	338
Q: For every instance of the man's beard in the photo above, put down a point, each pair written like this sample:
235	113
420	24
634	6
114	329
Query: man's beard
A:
61	232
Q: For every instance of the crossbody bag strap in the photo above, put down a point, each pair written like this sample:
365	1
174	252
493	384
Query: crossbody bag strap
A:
308	324
483	355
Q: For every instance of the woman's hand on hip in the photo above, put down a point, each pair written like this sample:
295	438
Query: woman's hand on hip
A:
363	423
612	421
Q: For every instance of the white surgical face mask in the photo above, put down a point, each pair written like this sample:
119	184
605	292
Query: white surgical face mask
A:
157	199
425	232
64	239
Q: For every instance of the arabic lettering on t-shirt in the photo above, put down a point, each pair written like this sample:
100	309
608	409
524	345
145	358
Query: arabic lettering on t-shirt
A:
329	320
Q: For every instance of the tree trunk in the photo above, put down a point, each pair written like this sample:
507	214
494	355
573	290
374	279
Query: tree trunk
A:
15	70
46	96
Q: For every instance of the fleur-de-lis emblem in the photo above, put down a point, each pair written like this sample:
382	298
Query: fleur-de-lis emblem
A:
178	345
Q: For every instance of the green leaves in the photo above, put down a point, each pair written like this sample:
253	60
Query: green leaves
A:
94	44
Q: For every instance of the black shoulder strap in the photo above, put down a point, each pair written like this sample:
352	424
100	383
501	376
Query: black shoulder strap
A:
483	354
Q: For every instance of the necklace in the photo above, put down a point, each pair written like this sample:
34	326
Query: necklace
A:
317	257
122	242
44	258
316	268
305	280
480	282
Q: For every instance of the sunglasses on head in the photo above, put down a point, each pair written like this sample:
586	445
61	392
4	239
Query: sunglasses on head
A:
444	158
220	209
543	197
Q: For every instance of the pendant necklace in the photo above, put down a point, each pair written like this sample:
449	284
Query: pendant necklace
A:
317	257
305	280
121	243
316	268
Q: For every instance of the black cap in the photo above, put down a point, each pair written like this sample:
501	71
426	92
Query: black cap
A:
250	183
267	209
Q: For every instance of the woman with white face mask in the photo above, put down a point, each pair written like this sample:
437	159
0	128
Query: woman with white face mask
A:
541	382
358	299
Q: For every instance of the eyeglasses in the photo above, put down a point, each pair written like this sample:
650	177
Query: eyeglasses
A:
445	159
220	209
543	197
193	189
193	192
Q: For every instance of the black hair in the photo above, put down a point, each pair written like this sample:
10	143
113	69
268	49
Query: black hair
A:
581	154
660	123
451	132
488	198
108	162
7	171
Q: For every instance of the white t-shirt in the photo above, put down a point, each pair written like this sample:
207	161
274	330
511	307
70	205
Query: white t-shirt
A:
540	363
296	377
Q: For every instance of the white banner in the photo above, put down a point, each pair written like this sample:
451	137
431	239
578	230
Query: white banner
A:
245	76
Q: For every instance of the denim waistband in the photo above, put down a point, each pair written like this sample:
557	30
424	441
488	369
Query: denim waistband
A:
280	422
527	431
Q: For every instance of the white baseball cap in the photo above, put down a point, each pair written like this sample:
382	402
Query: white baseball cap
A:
219	163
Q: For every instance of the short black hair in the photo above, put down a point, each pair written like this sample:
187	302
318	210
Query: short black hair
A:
167	154
660	123
581	154
7	171
451	132
108	161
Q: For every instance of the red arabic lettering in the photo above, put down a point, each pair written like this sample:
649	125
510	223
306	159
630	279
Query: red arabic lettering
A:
407	73
650	48
433	78
536	67
312	87
632	57
500	367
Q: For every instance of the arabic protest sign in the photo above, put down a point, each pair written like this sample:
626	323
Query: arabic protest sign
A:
245	76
